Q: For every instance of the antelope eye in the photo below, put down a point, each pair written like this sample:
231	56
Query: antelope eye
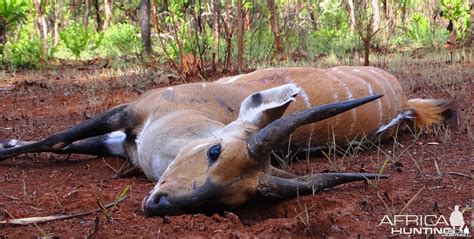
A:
214	152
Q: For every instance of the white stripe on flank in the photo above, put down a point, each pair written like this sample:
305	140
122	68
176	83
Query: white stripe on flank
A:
400	117
381	78
353	111
379	102
371	92
306	100
369	87
335	97
114	142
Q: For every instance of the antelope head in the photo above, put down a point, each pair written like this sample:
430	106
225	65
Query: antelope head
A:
234	165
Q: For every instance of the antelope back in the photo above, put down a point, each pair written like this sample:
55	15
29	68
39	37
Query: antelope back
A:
334	85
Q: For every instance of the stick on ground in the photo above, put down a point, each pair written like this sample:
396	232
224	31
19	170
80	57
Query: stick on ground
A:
32	220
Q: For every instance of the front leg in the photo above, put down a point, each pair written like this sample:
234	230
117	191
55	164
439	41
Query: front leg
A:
114	119
103	145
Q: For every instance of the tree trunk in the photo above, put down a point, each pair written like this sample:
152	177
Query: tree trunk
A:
217	27
3	38
145	26
352	14
75	6
229	32
368	36
41	24
274	26
314	21
375	6
98	20
471	31
57	20
108	13
240	36
86	13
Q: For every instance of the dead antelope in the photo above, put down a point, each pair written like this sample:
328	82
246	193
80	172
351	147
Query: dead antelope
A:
206	143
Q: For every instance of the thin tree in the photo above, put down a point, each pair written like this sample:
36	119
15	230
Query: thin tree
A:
98	19
56	20
471	31
274	27
41	23
217	28
240	36
375	7
145	26
108	14
86	13
352	14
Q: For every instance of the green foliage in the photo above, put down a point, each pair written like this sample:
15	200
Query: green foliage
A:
183	27
121	39
334	35
13	12
458	11
419	32
24	53
77	39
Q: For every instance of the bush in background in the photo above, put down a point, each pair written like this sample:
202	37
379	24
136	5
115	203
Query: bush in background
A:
77	39
26	52
120	40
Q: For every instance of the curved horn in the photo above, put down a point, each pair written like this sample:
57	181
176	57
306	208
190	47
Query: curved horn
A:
280	188
262	142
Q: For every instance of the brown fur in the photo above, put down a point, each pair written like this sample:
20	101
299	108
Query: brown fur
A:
204	115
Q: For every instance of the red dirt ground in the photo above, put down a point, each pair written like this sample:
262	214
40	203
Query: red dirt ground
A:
47	184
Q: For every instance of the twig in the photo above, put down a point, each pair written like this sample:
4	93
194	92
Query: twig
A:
94	228
32	220
25	193
8	196
461	174
103	159
411	200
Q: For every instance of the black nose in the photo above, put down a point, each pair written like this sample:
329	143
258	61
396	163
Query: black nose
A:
157	205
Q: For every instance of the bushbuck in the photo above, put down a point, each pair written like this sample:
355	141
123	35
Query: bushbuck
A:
210	143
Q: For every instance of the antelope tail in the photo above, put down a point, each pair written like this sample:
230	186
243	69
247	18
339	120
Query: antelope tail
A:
427	112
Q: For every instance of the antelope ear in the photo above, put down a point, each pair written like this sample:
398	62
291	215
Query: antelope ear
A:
268	105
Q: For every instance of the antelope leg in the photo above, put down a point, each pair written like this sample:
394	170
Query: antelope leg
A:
114	119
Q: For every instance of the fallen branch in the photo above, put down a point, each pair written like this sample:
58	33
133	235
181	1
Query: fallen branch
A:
32	220
10	197
461	175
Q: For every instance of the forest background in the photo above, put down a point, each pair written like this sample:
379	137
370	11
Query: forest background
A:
198	37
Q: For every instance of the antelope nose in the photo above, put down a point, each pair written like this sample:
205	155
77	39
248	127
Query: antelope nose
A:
156	205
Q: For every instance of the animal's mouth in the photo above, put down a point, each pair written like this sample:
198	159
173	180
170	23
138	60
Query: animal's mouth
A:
159	205
162	203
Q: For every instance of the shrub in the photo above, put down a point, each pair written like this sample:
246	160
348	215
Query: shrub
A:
25	53
77	39
12	13
420	33
459	12
121	39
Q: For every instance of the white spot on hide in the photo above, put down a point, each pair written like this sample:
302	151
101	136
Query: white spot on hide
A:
115	142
